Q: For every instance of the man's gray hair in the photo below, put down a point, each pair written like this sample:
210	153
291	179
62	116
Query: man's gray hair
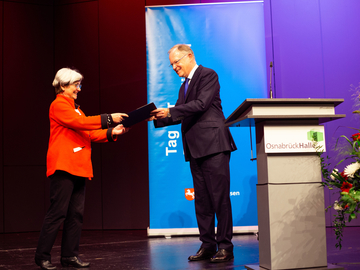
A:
182	48
65	76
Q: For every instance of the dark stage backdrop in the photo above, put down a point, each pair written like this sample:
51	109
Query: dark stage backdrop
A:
104	40
27	68
313	44
1	126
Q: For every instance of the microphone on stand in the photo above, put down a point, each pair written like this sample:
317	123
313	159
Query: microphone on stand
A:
271	91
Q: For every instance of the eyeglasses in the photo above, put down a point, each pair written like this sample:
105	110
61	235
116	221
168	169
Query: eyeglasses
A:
77	85
177	61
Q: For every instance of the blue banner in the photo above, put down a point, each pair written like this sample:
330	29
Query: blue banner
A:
230	39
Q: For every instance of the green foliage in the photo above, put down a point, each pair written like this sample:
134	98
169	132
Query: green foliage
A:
339	224
347	186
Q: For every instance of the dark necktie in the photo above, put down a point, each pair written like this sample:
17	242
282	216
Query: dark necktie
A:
186	85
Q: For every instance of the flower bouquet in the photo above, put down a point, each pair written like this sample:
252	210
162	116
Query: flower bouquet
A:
346	183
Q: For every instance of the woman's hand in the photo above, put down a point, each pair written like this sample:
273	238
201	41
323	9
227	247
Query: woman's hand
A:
151	118
118	117
119	129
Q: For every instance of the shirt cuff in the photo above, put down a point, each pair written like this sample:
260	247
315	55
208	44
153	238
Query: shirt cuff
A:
109	135
104	123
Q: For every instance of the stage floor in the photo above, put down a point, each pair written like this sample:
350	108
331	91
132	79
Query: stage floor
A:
134	250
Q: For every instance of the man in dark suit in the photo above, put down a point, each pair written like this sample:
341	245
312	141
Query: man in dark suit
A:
207	145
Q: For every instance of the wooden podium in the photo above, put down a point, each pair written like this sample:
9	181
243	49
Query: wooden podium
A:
290	199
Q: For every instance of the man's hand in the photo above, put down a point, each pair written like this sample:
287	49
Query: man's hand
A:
118	117
160	113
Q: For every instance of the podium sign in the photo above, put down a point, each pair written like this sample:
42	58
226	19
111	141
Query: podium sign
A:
298	139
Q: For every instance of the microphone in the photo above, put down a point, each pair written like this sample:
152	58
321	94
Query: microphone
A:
271	91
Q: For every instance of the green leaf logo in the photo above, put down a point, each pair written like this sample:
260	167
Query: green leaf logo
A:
315	135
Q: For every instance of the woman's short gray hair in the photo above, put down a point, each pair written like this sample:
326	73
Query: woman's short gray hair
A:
65	76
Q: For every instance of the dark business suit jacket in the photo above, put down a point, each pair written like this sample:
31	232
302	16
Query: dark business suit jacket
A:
200	113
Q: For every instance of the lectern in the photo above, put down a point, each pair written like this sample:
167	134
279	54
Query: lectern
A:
290	199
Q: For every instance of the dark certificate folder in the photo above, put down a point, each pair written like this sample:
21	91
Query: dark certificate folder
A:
140	114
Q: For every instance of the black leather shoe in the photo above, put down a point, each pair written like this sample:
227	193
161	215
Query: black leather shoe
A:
45	264
73	261
222	256
202	254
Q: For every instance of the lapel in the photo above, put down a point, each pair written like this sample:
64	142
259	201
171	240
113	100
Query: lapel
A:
193	80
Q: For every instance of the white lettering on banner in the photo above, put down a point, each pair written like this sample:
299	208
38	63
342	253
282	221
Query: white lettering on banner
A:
234	193
172	135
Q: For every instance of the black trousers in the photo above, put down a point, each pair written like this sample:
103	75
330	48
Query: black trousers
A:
211	176
67	197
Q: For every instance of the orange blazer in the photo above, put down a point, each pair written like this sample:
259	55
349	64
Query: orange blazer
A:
71	134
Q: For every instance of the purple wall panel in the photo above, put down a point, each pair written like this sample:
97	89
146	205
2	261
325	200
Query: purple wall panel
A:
123	89
298	62
316	55
341	50
77	46
1	127
341	53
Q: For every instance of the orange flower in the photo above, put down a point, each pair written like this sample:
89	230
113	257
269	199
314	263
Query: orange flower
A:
346	187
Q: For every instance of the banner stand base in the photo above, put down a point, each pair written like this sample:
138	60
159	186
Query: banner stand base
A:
195	231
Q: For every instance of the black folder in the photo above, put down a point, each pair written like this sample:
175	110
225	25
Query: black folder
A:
138	115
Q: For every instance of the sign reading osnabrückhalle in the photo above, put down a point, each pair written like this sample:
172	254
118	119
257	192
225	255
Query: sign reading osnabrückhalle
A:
285	139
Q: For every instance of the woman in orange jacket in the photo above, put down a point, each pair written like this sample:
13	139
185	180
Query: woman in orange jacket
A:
68	167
